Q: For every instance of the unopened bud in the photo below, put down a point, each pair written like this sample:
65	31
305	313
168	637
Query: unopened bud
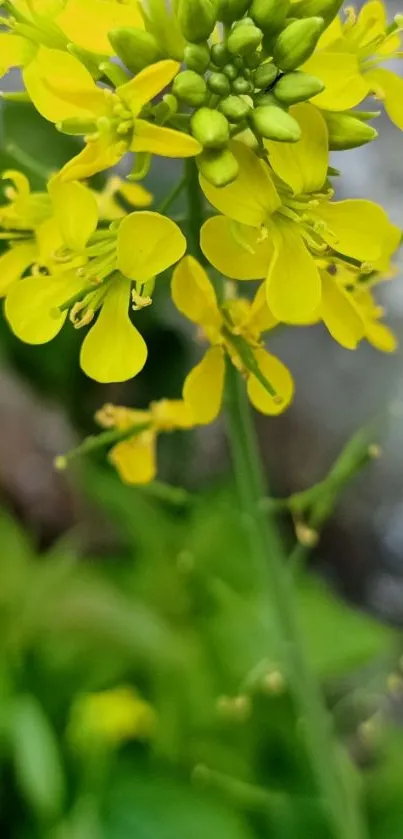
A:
270	15
297	87
267	99
275	124
230	71
219	54
230	10
197	18
197	57
326	9
189	87
219	83
241	86
244	39
297	42
347	132
220	168
210	128
265	75
136	48
234	108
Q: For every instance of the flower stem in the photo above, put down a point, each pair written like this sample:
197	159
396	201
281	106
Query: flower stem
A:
274	584
169	199
195	207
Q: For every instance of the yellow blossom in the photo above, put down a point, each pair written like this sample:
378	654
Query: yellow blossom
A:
234	330
100	273
88	22
111	717
349	59
135	457
279	219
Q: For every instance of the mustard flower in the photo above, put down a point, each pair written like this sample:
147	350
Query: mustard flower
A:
349	59
279	219
102	273
135	456
110	717
234	330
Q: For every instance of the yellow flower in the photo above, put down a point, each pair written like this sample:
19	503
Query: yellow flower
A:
64	92
132	193
102	272
234	330
349	60
87	22
111	717
135	457
350	312
279	220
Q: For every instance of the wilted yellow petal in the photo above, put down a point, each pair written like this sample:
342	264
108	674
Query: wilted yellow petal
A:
113	350
303	165
76	212
357	228
194	295
61	87
148	244
163	141
251	197
148	83
390	86
279	378
14	51
237	251
87	22
134	458
293	283
203	387
340	73
15	262
96	156
340	313
31	306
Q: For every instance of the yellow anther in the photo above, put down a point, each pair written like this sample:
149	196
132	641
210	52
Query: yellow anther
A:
140	302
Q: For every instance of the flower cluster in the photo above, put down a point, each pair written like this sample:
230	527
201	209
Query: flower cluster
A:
258	93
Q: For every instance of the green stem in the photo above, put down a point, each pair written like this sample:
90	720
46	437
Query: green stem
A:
169	199
274	583
27	162
195	205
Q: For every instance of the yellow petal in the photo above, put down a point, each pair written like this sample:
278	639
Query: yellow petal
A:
14	263
340	73
134	458
147	84
96	156
303	165
340	313
135	194
87	22
390	86
332	33
251	197
31	306
293	282
237	251
113	350
76	212
280	379
61	87
169	414
203	387
148	244
381	337
49	240
14	51
357	228
371	23
260	318
163	141
194	295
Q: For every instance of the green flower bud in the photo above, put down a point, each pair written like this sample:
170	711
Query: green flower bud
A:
245	21
135	47
253	60
270	15
265	75
218	83
219	54
267	99
230	10
234	108
220	168
171	102
347	131
197	18
210	128
244	39
230	71
326	9
197	57
297	42
275	124
241	86
189	87
297	87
